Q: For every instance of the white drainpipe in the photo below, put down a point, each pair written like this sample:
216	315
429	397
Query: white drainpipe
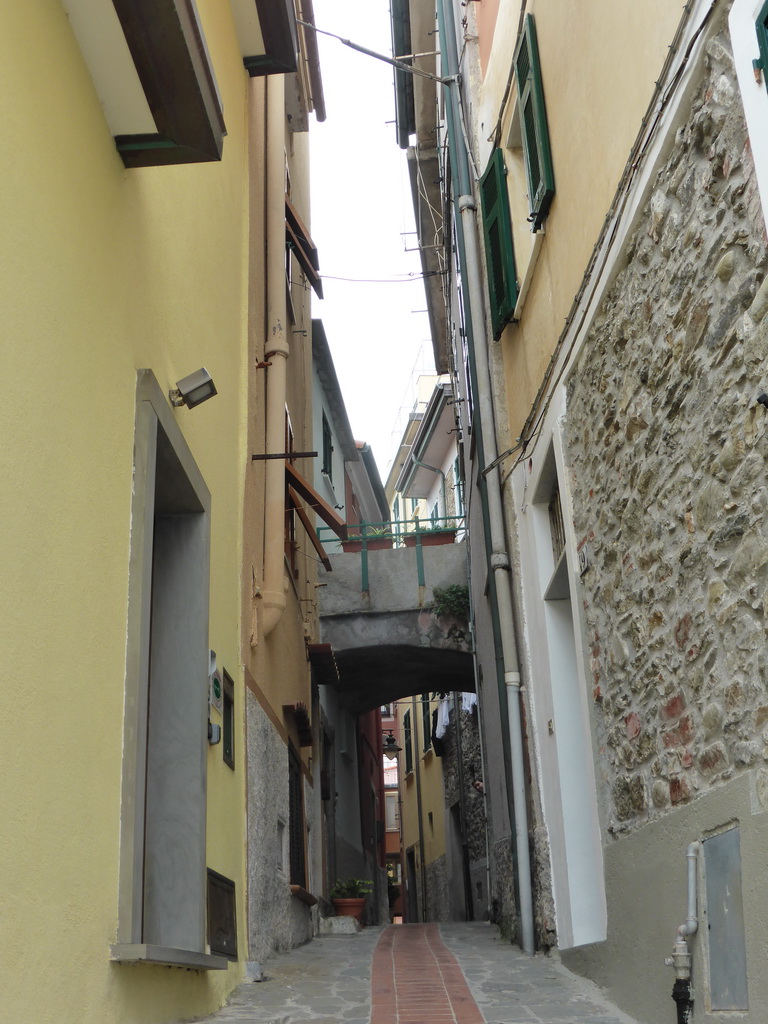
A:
681	956
276	351
502	571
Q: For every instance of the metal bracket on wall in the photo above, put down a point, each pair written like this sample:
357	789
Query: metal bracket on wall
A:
286	455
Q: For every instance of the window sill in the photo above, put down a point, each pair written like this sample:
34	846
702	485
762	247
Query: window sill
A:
302	894
143	953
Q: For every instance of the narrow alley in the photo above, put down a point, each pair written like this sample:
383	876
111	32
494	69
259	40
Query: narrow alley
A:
384	511
416	974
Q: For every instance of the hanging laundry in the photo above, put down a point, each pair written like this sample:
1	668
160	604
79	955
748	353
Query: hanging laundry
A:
468	701
443	713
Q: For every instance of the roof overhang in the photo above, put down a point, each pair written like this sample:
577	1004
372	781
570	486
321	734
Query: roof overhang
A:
431	445
329	381
427	198
268	35
367	485
150	65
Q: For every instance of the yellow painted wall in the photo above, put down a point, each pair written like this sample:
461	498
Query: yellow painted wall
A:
593	118
432	795
102	271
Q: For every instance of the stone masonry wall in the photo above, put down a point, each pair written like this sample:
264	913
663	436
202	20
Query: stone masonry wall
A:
666	449
472	765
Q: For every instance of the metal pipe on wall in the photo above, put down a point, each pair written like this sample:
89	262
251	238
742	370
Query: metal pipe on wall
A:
276	352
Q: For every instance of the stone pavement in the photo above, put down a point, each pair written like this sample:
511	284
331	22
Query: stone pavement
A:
329	981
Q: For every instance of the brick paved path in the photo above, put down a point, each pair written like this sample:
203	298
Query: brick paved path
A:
416	980
407	974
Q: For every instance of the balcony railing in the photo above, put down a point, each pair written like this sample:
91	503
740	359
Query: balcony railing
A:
402	533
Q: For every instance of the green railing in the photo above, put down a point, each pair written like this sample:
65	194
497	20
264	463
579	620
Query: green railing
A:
400	533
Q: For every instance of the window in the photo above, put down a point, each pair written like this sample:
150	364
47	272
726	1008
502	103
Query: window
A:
533	125
290	513
426	722
743	24
391	816
457	490
327	449
499	249
281	850
761	26
407	742
556	525
296	820
228	716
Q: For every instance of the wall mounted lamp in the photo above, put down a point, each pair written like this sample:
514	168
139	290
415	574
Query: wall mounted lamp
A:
192	390
391	749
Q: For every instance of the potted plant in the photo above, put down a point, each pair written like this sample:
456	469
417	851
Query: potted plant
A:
431	535
376	539
348	896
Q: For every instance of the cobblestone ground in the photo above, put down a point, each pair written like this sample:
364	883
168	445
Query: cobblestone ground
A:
512	988
328	981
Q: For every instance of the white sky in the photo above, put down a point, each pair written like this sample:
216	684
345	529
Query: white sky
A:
361	205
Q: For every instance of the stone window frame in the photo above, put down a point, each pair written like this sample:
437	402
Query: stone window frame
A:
574	826
742	23
159	445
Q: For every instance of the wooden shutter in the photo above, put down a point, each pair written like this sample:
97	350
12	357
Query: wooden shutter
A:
499	250
407	742
296	820
426	721
533	125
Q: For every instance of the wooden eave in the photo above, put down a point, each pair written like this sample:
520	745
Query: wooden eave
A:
170	57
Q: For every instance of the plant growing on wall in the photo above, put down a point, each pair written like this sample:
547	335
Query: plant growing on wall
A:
451	600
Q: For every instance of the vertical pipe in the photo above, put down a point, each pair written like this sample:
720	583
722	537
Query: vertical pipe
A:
276	352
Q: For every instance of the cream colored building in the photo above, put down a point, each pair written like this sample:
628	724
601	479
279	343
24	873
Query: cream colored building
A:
145	138
610	345
422	821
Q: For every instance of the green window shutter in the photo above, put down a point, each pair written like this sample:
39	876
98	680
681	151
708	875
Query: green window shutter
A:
533	125
327	449
761	25
499	250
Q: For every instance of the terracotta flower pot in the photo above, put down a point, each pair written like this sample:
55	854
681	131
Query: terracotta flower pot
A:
349	906
374	544
430	537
